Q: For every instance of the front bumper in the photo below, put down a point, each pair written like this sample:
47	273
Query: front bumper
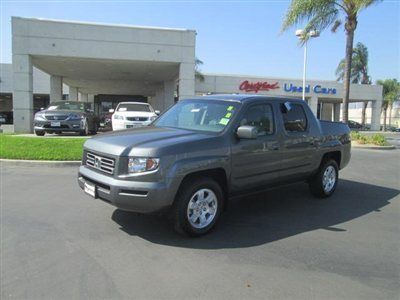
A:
58	126
137	196
121	125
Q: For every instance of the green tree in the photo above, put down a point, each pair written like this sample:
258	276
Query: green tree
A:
197	72
359	71
391	92
321	14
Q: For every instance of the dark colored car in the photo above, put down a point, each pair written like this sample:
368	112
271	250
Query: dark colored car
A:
354	125
66	116
204	151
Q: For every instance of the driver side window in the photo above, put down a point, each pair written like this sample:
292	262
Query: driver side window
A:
261	117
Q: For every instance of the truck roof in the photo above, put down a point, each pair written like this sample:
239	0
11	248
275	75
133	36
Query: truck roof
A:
244	97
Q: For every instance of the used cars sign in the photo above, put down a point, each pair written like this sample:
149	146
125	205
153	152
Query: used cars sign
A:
318	89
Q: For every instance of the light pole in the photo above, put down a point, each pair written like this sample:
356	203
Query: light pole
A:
304	36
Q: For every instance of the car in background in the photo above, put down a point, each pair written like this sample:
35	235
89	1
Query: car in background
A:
66	116
132	114
354	125
3	119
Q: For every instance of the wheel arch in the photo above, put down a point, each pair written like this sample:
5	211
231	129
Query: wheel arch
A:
217	174
335	155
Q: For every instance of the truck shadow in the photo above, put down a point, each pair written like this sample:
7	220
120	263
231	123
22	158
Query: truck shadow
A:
267	217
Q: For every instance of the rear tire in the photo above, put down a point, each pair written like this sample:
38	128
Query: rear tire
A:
39	133
197	206
323	183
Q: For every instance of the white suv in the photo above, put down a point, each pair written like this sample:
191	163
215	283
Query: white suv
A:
132	114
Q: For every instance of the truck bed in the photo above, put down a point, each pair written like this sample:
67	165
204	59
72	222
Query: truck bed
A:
334	128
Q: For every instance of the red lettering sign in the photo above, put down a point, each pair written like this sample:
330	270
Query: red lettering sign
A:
257	86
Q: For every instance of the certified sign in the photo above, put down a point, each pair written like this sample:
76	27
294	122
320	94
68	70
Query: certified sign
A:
248	86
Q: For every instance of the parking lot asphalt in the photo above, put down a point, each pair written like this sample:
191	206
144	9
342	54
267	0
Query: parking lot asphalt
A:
58	243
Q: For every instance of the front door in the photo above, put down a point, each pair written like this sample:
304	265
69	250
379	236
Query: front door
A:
298	148
256	162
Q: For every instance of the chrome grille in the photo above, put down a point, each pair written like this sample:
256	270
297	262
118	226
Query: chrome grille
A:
101	163
57	117
137	118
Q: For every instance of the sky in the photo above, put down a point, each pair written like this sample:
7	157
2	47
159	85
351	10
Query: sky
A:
235	36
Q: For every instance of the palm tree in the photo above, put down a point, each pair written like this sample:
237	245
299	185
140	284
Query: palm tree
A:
197	72
359	71
391	92
322	14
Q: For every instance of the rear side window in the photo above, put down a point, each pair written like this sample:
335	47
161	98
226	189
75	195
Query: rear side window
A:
259	116
294	119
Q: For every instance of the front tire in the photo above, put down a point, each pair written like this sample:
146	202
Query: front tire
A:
39	133
198	206
323	184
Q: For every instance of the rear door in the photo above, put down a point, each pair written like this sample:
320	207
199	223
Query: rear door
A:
298	144
256	162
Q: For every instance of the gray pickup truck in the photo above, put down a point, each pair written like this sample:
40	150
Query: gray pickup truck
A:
203	151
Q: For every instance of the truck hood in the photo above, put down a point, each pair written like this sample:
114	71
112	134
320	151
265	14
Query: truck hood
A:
142	139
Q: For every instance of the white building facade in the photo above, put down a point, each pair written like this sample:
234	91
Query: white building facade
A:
105	64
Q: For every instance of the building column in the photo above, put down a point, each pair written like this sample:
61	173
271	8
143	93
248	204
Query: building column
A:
186	80
376	115
22	93
313	103
157	100
83	97
336	112
56	92
91	98
73	94
169	94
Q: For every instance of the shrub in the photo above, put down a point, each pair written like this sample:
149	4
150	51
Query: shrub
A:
378	139
355	135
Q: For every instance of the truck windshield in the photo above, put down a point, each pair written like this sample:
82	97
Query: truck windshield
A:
202	115
133	107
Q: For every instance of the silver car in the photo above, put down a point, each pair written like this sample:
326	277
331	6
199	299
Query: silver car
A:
66	116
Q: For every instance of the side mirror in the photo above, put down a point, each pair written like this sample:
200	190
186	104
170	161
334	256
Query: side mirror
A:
247	132
42	108
157	112
111	110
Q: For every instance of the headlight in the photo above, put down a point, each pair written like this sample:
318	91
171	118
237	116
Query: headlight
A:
153	118
75	117
39	116
142	164
118	117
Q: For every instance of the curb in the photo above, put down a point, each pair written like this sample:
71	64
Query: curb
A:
372	147
47	163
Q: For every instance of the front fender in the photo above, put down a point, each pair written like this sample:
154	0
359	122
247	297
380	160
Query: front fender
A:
186	166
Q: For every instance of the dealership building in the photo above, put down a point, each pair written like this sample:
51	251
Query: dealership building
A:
106	64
